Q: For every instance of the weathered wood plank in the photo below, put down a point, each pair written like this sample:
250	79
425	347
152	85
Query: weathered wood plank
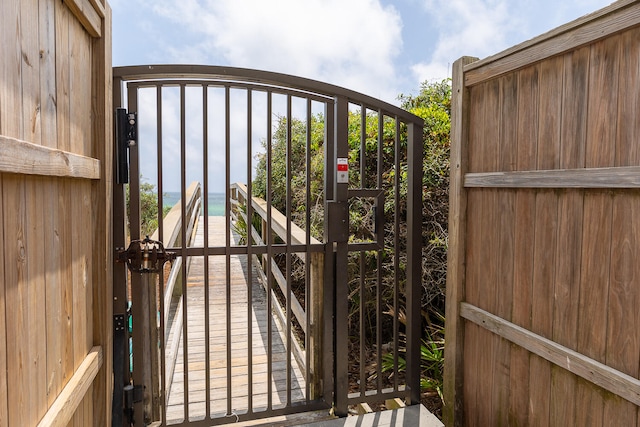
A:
87	14
10	52
16	303
53	289
62	55
622	343
505	230
23	157
79	87
71	397
65	234
4	415
628	120
47	35
487	298
600	24
544	251
605	177
473	253
36	317
567	276
102	200
593	299
591	370
30	71
523	242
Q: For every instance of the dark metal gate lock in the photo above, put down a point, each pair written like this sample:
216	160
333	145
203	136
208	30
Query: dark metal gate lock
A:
144	256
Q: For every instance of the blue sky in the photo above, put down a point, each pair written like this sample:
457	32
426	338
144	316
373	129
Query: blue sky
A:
378	47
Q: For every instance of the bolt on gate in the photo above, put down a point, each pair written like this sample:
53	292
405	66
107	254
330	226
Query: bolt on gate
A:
293	211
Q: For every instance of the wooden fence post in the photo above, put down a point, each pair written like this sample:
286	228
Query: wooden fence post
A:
315	329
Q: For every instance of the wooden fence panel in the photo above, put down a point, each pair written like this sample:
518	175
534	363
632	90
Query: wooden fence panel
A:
55	257
544	276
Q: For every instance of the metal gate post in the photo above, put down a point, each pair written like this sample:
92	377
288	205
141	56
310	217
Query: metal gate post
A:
414	259
337	216
121	332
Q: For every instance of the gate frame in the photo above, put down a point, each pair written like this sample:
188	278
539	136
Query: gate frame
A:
335	386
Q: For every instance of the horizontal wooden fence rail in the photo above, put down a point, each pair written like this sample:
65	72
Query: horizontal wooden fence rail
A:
591	370
614	177
65	405
26	158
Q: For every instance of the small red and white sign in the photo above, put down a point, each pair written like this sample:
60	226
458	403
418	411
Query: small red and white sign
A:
342	171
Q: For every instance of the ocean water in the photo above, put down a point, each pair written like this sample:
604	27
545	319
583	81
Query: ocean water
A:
216	202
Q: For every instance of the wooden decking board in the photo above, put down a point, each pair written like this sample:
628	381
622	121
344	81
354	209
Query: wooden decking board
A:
218	345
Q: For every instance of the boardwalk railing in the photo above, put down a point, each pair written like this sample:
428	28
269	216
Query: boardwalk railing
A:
309	316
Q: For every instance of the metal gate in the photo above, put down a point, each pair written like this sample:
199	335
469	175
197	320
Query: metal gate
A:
290	213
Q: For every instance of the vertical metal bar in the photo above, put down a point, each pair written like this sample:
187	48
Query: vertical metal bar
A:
183	250
289	295
361	290
137	313
227	212
249	255
379	279
341	265
307	264
163	373
414	255
205	219
269	243
159	163
396	253
329	327
363	146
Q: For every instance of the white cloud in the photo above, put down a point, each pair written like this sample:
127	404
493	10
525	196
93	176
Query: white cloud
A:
484	27
351	44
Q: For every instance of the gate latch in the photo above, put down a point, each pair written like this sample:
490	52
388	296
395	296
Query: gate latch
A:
144	256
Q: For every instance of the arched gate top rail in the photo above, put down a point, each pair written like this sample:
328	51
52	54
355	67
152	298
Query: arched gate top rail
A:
265	78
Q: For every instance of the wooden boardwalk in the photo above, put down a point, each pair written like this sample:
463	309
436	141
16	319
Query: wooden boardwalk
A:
225	375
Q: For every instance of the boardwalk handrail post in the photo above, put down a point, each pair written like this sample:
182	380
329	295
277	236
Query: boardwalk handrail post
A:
315	329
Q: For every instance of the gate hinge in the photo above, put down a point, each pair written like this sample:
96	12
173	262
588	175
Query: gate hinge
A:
144	256
118	322
126	136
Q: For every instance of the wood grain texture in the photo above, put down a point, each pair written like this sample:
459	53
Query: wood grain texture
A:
505	236
86	13
71	397
525	203
622	350
605	177
23	157
15	269
473	258
62	58
36	317
4	414
10	52
591	370
546	220
102	206
628	119
457	248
